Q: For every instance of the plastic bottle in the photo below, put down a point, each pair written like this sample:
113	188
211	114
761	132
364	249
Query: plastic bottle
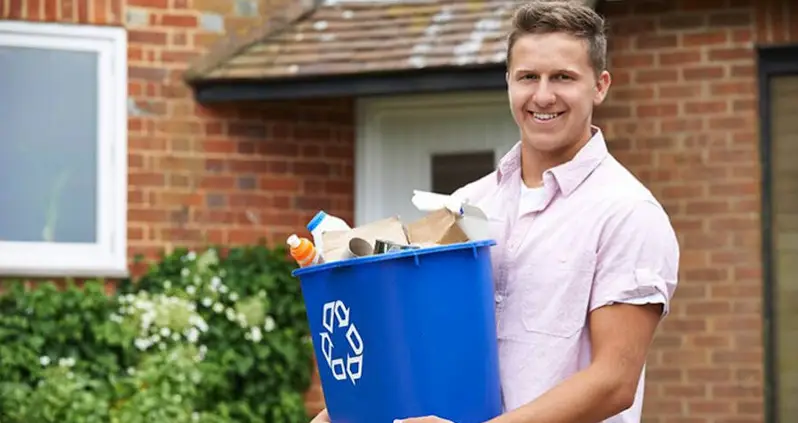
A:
303	251
324	222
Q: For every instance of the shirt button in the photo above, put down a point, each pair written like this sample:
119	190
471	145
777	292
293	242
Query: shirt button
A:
499	298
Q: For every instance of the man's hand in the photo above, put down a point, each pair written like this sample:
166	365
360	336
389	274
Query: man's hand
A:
425	419
322	417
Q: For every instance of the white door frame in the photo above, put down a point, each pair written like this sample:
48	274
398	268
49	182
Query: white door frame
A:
368	142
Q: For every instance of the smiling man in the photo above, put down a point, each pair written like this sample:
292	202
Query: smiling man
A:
586	260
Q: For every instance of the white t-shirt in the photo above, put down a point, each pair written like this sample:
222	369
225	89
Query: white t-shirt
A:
531	199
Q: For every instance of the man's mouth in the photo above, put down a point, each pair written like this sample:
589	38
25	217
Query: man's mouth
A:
545	117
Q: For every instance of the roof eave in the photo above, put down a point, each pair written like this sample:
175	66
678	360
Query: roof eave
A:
405	81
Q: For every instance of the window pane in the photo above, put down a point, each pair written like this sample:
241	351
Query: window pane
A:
452	171
48	145
784	151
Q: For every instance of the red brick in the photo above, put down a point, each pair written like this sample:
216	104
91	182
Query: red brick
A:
178	20
704	38
656	76
680	58
701	73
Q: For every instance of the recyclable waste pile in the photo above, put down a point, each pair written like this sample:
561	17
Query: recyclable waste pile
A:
448	220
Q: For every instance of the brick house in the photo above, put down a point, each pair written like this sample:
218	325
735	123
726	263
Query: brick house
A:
300	108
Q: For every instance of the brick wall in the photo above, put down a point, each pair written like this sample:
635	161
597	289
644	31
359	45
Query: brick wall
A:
230	174
682	114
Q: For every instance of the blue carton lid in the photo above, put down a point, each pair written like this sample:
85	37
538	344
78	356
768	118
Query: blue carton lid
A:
393	256
316	220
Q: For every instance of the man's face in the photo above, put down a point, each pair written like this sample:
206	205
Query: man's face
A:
553	89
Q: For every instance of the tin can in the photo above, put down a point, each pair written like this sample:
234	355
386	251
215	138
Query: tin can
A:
382	247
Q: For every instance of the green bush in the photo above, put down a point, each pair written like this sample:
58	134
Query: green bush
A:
198	338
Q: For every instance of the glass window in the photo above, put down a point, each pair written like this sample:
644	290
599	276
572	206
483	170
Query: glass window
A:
62	150
453	170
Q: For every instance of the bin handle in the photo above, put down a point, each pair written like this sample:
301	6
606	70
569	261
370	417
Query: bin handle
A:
415	258
474	247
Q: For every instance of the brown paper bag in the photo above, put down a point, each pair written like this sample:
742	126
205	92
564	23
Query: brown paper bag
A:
438	227
336	243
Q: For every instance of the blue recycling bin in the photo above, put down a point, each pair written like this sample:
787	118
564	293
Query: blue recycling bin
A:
406	334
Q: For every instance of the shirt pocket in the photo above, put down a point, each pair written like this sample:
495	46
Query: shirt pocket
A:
556	294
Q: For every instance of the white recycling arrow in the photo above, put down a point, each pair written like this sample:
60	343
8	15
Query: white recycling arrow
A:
328	317
356	361
351	335
338	369
342	314
326	346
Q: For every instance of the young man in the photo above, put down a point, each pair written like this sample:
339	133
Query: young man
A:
587	260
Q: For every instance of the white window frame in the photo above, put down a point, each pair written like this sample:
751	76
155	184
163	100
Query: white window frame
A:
108	256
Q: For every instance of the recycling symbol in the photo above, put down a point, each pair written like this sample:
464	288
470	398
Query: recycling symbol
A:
335	317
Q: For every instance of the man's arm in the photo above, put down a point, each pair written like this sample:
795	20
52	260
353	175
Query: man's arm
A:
621	335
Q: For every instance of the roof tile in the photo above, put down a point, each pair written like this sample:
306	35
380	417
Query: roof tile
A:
343	37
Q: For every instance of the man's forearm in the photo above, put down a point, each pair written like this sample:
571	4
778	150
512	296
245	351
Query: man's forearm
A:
590	396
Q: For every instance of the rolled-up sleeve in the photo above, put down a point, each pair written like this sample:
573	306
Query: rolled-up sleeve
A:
638	258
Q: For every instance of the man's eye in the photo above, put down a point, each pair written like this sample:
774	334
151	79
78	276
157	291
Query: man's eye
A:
529	77
563	77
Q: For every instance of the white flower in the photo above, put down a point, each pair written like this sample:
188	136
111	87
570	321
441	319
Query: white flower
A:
161	346
233	297
70	375
44	360
197	279
242	320
167	284
175	337
199	322
191	256
142	343
165	332
115	318
231	314
131	371
207	302
223	273
192	335
223	289
215	282
218	307
191	290
185	272
195	417
269	325
155	339
256	334
66	362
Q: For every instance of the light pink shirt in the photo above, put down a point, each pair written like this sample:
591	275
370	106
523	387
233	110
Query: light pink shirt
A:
593	236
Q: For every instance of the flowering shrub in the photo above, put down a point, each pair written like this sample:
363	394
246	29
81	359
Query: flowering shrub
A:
199	338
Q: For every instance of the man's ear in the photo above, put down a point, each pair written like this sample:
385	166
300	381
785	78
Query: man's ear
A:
603	83
507	77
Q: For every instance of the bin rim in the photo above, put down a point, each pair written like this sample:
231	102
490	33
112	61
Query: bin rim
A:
393	256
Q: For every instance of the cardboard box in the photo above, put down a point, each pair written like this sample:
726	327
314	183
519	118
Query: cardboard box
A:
336	243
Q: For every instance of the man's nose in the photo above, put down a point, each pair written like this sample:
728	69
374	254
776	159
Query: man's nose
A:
544	95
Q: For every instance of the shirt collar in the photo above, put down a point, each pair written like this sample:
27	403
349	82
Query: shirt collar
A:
569	175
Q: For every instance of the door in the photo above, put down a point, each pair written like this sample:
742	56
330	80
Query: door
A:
784	203
432	143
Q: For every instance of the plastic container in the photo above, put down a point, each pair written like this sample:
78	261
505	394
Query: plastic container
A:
406	334
324	222
303	251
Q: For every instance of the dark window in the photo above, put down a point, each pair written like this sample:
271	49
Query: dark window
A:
451	171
